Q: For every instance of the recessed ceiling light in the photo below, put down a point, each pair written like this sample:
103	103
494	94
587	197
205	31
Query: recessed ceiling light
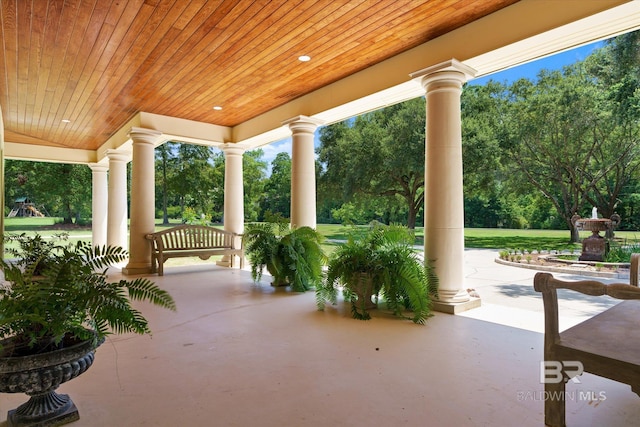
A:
304	58
217	108
66	121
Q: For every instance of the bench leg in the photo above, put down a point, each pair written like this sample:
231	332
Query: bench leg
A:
161	267
154	263
554	404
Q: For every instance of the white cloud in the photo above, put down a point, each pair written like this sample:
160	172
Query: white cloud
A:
272	150
284	145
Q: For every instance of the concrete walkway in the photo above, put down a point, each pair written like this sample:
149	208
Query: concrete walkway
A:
508	297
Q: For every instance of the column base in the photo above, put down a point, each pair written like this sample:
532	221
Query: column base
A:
454	301
134	269
455	307
452	295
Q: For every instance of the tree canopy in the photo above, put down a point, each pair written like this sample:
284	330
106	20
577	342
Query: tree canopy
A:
569	135
377	155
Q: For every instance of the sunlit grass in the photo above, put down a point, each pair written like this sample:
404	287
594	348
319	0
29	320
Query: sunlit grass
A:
490	238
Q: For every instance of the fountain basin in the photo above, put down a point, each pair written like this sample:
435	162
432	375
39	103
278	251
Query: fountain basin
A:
594	225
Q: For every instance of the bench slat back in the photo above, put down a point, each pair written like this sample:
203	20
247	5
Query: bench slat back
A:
193	237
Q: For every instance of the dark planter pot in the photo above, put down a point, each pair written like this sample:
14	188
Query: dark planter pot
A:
38	376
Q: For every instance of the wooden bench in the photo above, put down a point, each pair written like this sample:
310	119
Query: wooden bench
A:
607	345
193	240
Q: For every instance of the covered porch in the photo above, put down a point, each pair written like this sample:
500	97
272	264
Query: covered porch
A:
129	76
237	353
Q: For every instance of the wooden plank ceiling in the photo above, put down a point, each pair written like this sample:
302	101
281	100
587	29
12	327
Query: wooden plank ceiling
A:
74	71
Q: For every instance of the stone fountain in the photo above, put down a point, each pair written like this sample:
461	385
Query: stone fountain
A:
594	247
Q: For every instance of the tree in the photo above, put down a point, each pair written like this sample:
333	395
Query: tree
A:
379	154
563	140
277	189
486	174
65	189
254	171
617	71
164	155
216	174
481	117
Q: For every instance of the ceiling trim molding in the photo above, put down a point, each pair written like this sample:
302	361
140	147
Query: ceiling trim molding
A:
43	153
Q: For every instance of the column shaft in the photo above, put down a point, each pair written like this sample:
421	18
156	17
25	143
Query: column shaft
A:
99	203
117	203
143	200
303	171
233	194
444	207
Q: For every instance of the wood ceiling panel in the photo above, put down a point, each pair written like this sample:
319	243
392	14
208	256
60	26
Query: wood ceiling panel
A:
255	62
10	80
105	56
99	62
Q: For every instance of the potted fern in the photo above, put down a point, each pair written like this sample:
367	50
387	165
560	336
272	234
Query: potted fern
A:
379	264
293	257
56	307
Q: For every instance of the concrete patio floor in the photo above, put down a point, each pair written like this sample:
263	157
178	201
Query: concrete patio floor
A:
243	354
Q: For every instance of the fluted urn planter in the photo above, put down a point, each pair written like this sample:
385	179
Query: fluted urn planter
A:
51	291
38	376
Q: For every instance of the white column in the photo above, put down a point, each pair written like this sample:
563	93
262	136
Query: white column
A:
99	203
444	208
303	171
117	203
233	193
143	200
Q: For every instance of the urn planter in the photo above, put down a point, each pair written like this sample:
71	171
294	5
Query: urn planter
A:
38	376
57	304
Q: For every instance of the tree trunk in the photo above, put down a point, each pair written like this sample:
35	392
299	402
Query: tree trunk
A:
411	219
575	236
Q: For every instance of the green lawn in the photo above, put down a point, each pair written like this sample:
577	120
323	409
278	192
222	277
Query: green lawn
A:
492	238
500	238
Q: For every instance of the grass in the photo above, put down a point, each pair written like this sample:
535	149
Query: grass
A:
488	238
500	238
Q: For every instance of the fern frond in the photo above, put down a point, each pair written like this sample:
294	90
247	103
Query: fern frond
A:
142	289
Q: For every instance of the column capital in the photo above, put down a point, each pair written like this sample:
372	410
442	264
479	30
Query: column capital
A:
118	155
303	124
231	149
98	167
149	136
451	69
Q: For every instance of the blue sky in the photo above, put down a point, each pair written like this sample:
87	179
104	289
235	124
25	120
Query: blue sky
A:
528	70
531	69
